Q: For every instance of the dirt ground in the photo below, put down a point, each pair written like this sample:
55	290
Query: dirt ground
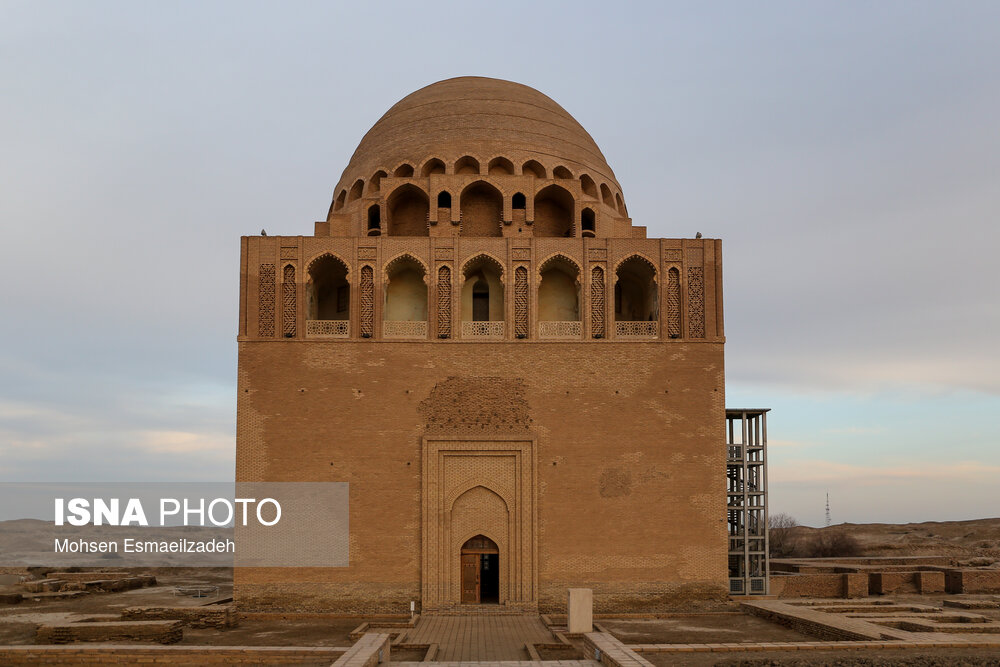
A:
722	628
943	657
253	632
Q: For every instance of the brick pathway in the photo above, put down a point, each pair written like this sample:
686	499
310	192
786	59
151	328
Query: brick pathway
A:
479	638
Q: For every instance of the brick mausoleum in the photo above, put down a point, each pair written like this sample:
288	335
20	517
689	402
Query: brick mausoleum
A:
524	392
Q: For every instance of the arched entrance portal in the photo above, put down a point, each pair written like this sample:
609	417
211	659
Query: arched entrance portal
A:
480	571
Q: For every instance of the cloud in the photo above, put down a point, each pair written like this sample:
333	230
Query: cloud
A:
817	471
181	442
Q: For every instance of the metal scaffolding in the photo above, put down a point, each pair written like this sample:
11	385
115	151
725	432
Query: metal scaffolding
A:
746	500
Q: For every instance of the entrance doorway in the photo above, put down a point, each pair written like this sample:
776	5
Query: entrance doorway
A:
480	571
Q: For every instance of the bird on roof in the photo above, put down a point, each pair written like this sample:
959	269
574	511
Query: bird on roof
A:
263	233
698	235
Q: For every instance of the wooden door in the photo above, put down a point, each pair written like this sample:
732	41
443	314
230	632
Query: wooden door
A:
470	578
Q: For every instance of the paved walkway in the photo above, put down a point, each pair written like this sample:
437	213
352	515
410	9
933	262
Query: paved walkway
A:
479	638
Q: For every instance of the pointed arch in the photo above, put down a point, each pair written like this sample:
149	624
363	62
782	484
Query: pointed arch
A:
356	190
500	166
405	278
636	290
407	207
404	170
328	290
432	166
554	212
533	168
482	289
558	289
482	209
467	165
375	182
606	196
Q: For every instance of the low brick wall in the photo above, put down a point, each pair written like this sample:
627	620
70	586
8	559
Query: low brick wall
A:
608	650
930	582
884	583
972	581
44	585
855	585
813	585
370	650
161	632
640	597
101	656
214	616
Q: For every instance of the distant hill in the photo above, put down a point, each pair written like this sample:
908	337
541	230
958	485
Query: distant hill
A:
959	539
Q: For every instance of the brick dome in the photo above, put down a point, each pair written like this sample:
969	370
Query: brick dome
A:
490	120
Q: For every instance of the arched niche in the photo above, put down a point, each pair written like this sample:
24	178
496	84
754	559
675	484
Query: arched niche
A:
482	290
467	165
559	290
407	207
500	166
635	291
432	166
533	168
482	209
375	182
553	212
328	293
405	291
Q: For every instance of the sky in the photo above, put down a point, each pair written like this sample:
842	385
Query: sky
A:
847	153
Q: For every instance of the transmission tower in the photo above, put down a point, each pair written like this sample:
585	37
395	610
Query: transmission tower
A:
828	508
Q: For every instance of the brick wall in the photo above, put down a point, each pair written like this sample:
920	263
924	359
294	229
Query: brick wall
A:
624	433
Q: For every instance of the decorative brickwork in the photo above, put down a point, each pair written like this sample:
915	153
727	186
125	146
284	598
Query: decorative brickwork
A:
288	302
570	329
597	302
696	302
483	486
476	405
674	303
444	302
626	329
265	296
367	301
521	302
327	328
